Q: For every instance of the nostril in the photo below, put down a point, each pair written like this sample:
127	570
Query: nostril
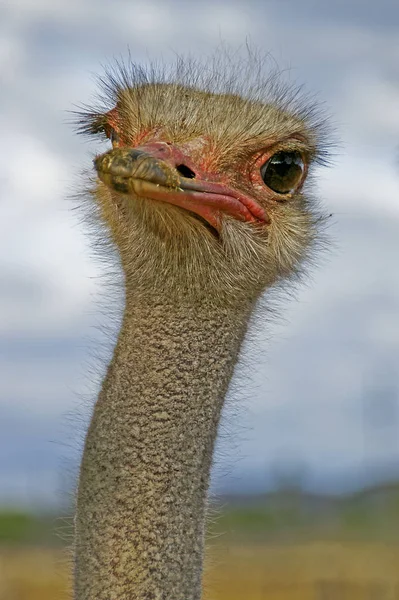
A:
185	171
135	154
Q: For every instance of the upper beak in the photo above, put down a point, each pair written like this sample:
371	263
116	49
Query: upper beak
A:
151	171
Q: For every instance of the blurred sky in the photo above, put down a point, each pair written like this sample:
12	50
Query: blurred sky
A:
325	379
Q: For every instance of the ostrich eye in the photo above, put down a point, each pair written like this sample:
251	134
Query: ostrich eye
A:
283	171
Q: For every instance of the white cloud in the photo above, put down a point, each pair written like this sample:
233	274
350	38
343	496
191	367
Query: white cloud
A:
40	240
32	174
225	21
146	22
48	50
370	107
362	181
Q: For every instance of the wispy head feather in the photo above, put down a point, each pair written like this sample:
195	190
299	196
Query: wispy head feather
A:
237	107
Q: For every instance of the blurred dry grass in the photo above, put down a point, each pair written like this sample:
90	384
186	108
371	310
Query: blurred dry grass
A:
308	571
33	574
311	571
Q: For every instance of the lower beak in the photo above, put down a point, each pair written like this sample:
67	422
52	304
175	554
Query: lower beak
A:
136	172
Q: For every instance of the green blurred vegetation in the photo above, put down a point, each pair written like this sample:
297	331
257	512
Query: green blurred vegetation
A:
371	514
291	514
23	528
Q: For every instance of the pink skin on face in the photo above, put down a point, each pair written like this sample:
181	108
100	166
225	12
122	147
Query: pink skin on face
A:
194	189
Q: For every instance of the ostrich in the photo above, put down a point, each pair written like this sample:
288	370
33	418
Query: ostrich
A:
204	196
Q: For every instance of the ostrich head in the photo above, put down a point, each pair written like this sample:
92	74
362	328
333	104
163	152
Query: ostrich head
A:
205	194
204	191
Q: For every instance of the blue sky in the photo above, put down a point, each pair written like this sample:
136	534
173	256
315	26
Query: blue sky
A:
333	347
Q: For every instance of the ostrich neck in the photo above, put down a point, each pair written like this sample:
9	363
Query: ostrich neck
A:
148	452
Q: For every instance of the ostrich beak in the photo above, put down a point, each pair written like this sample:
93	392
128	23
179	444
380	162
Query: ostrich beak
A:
159	171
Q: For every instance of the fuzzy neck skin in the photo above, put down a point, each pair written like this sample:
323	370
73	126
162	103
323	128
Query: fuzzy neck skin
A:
145	470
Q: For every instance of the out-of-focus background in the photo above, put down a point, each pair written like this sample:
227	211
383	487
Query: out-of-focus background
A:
308	462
